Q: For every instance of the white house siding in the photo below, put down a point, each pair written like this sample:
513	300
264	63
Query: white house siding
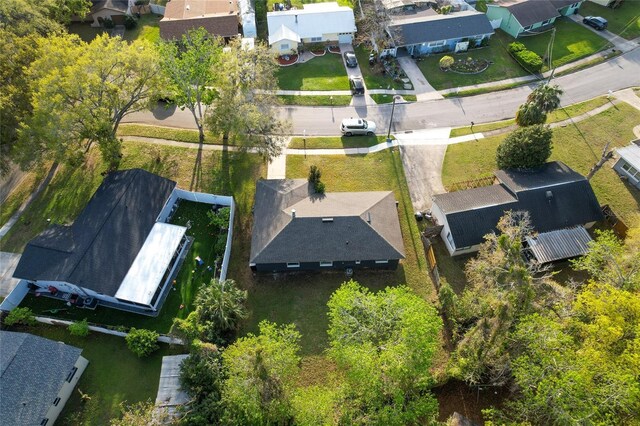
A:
66	390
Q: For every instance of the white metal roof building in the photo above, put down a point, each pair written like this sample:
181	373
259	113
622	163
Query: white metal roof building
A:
628	165
317	22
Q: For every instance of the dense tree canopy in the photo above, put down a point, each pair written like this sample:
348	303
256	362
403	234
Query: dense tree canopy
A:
262	370
385	344
192	66
541	101
244	101
525	148
82	91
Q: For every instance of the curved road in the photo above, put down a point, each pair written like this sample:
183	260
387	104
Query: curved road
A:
615	74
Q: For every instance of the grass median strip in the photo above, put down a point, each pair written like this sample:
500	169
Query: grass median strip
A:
335	142
315	100
387	99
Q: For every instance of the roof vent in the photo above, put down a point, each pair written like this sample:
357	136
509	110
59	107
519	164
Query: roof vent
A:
327	219
369	218
549	195
188	7
293	213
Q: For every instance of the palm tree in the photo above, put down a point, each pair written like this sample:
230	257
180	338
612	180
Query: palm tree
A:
545	97
530	114
220	307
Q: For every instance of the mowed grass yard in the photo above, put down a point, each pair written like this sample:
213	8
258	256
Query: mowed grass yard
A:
327	142
624	21
302	298
320	73
572	42
472	160
69	191
114	375
372	79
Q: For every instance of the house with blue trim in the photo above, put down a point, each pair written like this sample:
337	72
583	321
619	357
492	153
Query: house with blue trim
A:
428	32
527	17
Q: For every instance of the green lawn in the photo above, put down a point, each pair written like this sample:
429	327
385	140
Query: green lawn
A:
503	66
472	160
220	172
572	42
84	30
314	100
148	28
372	79
320	73
555	116
114	375
302	298
387	99
169	133
624	21
337	142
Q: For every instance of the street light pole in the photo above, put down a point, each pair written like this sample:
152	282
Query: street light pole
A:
393	108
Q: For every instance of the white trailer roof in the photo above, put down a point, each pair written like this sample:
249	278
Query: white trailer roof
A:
631	153
313	20
147	270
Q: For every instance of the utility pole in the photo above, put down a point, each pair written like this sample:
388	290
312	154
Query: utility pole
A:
550	54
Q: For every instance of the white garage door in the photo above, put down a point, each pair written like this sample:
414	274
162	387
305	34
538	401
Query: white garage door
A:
345	38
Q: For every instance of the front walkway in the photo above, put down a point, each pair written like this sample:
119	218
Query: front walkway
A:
422	89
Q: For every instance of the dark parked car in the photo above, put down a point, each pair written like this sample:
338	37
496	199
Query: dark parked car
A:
357	85
350	59
596	22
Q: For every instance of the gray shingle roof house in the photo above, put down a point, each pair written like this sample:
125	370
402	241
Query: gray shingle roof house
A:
429	32
518	17
37	375
296	229
555	196
116	252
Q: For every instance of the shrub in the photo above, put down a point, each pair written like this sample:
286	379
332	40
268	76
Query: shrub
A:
142	342
79	328
446	62
220	218
525	148
130	22
529	60
24	316
107	23
314	179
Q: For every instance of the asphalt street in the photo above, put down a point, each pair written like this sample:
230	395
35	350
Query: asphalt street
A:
615	74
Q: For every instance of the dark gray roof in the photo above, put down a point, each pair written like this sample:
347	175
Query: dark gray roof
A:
362	226
97	250
119	5
559	4
473	213
529	12
423	29
33	369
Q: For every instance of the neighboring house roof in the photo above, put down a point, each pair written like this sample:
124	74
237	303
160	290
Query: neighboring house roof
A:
98	249
631	153
555	196
344	226
117	5
313	20
415	29
559	244
219	17
393	4
529	12
283	33
559	4
32	371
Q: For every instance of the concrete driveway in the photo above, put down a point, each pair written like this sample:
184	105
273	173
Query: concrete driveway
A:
8	263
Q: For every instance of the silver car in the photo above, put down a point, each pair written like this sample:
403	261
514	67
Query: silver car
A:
357	127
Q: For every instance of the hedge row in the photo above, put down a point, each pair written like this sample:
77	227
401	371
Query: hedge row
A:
529	60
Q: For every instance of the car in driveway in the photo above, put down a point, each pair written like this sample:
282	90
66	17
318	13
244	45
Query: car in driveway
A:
350	59
357	127
357	85
597	22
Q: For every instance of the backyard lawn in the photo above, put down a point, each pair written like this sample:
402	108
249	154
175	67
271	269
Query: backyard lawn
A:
624	21
373	80
222	173
301	298
336	142
148	28
320	73
503	66
572	42
114	375
84	30
472	160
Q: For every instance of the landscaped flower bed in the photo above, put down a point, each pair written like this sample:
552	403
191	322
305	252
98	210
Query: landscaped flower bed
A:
469	66
285	60
334	49
318	52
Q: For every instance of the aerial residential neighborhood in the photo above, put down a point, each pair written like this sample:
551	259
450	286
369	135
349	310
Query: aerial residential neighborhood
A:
255	212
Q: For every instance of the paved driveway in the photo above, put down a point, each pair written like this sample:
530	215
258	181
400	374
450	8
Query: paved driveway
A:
8	263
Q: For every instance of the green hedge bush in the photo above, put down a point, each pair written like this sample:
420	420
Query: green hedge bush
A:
529	60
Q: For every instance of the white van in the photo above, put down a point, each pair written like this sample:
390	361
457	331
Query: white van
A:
357	126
